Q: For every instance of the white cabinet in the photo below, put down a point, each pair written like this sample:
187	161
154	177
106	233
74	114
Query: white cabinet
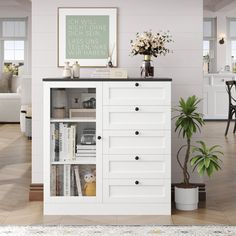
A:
133	117
215	100
136	93
131	156
137	191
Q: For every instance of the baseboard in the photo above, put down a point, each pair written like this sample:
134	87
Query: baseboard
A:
5	123
36	192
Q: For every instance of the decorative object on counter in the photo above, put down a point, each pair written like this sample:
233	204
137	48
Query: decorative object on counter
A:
90	184
82	113
110	73
227	68
147	68
206	64
59	97
101	73
233	64
59	112
118	73
67	70
14	68
88	137
110	57
85	151
89	104
150	44
188	122
59	103
75	102
88	100
76	70
28	126
89	34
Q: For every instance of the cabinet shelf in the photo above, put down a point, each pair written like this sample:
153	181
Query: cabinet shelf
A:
72	120
79	161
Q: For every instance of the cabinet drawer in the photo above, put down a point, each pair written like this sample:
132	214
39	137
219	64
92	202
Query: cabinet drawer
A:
133	166
127	142
128	191
128	93
220	81
132	117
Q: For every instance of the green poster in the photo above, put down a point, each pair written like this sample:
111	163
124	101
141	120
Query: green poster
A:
87	37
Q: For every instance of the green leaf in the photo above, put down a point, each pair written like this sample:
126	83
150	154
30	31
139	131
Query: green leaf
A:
207	162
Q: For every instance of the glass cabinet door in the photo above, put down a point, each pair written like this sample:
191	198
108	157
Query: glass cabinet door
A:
73	139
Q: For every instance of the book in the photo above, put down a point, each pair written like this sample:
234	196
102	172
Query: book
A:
56	149
65	143
59	180
78	181
53	180
86	151
85	155
61	142
67	180
72	182
83	147
52	142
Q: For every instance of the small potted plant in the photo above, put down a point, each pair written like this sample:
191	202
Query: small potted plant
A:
188	122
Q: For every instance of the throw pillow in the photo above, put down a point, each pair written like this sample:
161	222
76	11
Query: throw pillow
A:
5	82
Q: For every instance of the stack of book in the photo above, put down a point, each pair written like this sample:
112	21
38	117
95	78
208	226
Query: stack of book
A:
101	73
85	151
65	180
63	142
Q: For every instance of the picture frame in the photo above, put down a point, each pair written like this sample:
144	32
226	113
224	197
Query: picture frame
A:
88	35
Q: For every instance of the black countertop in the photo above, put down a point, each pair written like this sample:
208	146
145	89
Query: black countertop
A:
108	79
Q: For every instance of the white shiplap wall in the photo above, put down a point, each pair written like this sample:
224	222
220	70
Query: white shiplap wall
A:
182	17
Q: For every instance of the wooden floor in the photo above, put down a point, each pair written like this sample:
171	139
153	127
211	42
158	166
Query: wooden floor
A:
15	174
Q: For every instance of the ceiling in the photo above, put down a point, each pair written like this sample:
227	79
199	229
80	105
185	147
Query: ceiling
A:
217	5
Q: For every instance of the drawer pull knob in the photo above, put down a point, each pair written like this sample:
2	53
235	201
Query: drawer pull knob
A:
136	84
99	137
136	109
136	133
136	158
136	182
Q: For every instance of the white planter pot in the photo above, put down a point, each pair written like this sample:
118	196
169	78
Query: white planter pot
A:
186	199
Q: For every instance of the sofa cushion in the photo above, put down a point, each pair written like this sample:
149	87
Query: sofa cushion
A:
5	82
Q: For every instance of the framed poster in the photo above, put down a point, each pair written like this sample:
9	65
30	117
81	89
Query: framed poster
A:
88	35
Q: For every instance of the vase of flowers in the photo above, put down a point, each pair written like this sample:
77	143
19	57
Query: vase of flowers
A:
150	45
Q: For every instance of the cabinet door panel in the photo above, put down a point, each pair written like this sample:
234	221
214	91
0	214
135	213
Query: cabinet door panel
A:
128	191
127	142
131	117
133	166
128	93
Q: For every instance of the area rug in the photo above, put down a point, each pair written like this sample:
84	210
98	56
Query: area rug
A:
117	230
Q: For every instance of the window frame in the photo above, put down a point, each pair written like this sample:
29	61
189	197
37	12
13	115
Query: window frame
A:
14	38
230	39
212	42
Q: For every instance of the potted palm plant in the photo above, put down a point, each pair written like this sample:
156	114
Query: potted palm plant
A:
188	122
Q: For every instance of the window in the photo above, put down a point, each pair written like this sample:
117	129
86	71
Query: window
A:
209	44
206	48
13	50
232	41
13	43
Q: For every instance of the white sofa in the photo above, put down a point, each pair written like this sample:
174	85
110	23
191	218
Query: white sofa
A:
10	103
